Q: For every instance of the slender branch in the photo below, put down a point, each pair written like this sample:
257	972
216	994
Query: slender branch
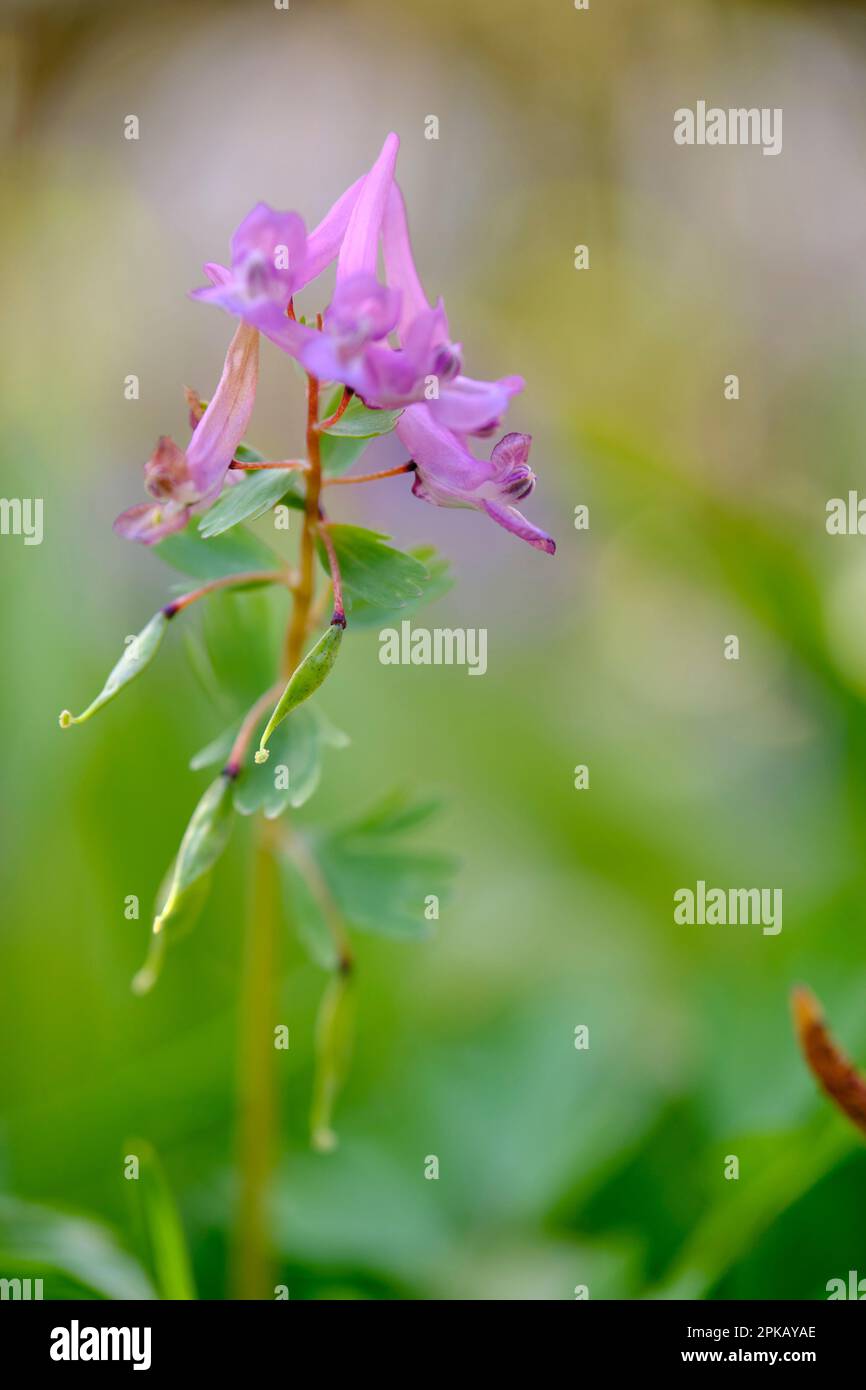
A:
240	747
306	568
309	870
228	581
323	425
339	614
252	1266
371	477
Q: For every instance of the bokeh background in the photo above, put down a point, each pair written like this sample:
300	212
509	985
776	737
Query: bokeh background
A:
557	1167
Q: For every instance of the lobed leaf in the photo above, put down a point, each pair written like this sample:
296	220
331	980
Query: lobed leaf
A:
253	495
372	571
218	556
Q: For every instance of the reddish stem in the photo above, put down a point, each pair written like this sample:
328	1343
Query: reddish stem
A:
371	477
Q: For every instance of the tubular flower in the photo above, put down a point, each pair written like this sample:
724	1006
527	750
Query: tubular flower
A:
353	348
463	403
181	481
449	476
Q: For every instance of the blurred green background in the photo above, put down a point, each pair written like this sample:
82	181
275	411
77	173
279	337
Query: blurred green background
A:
557	1167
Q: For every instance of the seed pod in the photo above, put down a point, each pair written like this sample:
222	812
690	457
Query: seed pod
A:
334	1032
203	842
137	655
305	680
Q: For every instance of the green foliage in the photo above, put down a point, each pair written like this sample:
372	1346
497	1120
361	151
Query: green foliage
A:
439	580
250	497
378	884
217	556
344	443
372	571
297	747
159	1224
75	1256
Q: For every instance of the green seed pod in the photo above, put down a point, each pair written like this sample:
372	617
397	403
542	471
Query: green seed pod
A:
137	655
203	842
304	682
334	1033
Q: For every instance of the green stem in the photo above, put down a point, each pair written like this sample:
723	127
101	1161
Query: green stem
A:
253	1261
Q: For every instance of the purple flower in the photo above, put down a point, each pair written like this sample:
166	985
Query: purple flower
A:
353	348
182	481
449	476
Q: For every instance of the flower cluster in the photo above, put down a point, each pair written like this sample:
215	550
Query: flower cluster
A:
384	343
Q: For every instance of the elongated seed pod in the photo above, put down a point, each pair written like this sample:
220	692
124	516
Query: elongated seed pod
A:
835	1072
334	1034
314	668
137	655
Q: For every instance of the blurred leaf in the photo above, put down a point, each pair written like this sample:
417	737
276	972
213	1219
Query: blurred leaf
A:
137	656
40	1242
374	571
255	494
160	1224
439	581
377	886
241	635
215	753
221	555
296	759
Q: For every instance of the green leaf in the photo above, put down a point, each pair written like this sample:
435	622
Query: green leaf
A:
338	451
220	555
75	1256
439	581
377	885
384	890
304	682
215	753
295	768
241	635
160	1225
137	655
359	422
255	494
373	571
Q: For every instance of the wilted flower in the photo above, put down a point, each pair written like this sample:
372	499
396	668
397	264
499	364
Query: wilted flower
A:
180	480
449	476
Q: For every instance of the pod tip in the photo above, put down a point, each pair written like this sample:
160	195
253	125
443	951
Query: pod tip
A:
262	755
66	718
